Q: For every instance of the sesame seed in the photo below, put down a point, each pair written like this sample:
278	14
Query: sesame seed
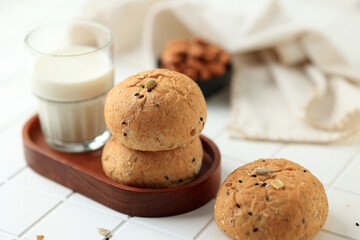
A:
123	122
357	224
257	184
227	193
255	229
136	94
125	134
250	213
201	119
149	90
141	96
142	86
228	184
193	160
240	181
166	177
156	104
238	205
254	175
180	180
264	184
304	170
236	190
263	160
267	197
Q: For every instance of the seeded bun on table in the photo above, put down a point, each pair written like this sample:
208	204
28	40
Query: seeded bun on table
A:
152	169
156	110
271	199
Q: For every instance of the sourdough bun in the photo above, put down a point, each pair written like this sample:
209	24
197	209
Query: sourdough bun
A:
166	116
152	169
287	202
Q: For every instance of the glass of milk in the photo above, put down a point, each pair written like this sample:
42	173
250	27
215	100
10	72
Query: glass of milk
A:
71	68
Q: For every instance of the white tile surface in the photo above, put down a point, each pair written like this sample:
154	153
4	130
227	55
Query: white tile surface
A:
21	207
246	151
30	179
324	161
11	153
218	113
5	237
26	197
72	221
21	102
344	212
185	225
228	165
85	201
349	179
132	231
322	235
213	232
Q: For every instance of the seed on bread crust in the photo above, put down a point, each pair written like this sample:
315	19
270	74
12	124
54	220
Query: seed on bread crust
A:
277	184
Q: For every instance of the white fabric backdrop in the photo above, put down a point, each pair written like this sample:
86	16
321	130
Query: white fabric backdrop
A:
296	74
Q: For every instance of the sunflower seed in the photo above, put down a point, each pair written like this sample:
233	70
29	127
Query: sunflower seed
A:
277	184
103	231
262	171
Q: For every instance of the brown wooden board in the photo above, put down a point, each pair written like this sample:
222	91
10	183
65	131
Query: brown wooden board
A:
82	172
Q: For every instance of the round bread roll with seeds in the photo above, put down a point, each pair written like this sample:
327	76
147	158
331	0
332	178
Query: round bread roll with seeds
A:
156	110
271	199
161	169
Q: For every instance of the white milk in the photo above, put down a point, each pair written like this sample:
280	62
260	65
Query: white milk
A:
72	91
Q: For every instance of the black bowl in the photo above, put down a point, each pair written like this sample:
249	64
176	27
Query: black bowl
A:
214	84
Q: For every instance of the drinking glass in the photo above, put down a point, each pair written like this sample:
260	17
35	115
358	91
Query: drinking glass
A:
71	71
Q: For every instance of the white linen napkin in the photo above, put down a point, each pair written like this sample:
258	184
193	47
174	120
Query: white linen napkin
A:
291	82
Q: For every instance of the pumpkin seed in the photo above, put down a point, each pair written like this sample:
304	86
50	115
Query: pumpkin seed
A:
150	84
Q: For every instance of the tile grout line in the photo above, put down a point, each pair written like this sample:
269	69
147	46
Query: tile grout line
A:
51	210
233	159
51	195
331	187
282	145
342	170
12	236
337	234
89	207
159	229
118	228
16	173
19	117
31	226
347	191
203	229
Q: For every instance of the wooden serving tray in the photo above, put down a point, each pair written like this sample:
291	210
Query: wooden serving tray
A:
82	172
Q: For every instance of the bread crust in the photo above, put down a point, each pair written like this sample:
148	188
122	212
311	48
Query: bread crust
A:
295	207
146	169
169	115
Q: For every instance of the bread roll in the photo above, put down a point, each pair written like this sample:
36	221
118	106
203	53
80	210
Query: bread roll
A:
271	199
152	169
156	110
